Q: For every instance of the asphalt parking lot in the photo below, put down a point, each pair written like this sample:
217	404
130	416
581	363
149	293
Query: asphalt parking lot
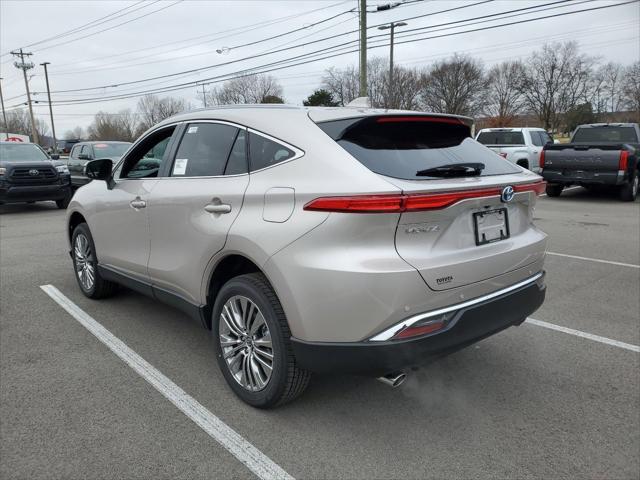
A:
530	402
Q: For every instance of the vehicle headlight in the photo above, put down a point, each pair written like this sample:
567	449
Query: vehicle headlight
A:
62	169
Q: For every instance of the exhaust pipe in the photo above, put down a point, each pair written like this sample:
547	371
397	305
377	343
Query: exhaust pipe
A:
394	380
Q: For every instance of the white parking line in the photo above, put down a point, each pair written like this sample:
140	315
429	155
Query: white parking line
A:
256	461
565	190
589	336
598	260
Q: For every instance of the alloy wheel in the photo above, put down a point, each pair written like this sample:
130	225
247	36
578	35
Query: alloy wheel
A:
246	343
84	261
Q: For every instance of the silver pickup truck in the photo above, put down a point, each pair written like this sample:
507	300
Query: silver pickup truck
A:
599	154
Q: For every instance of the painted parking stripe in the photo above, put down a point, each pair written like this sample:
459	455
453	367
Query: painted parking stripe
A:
256	461
589	336
598	260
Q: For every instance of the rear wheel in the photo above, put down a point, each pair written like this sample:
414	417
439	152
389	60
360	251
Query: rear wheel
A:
251	337
85	264
629	191
554	189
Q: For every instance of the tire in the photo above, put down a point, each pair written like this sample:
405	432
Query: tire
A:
286	381
554	189
85	265
629	191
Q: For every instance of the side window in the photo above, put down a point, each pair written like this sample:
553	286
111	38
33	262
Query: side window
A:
75	151
146	159
204	150
535	138
237	162
264	152
86	150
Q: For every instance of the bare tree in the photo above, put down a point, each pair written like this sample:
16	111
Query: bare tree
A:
404	91
76	134
247	89
113	126
631	89
153	109
504	100
18	121
557	78
456	85
342	84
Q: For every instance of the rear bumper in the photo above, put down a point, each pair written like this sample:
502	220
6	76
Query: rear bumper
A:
568	177
33	193
470	324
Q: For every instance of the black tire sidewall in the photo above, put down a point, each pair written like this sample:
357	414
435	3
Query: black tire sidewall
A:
271	394
84	229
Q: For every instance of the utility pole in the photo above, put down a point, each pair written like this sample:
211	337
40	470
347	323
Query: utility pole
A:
392	26
204	97
363	48
4	114
53	128
24	66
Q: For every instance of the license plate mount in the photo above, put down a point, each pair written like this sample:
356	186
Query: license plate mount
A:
491	225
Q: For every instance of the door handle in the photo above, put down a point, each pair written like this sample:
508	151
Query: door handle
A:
217	208
138	203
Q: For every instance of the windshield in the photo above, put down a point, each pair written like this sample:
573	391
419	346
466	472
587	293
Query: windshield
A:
102	150
605	134
501	138
25	152
412	148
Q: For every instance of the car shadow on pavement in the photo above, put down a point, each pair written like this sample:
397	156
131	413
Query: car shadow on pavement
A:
598	195
27	208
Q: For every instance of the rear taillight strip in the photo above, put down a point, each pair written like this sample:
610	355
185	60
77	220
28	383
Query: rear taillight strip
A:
415	202
624	160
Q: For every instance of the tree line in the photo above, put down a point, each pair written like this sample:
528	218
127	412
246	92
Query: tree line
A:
558	84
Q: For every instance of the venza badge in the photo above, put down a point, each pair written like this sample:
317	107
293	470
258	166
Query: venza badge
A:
507	194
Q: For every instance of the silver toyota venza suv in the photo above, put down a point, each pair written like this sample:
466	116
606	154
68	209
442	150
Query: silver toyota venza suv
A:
340	240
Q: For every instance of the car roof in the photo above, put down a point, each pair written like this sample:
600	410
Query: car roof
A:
617	124
18	143
94	142
511	129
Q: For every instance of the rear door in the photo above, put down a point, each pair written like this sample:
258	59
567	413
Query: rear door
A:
192	209
456	229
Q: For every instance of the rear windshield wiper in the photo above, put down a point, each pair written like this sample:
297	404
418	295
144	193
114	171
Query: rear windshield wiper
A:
453	170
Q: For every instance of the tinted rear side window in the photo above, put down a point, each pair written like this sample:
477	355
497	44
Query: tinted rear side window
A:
264	152
402	149
204	150
501	138
605	134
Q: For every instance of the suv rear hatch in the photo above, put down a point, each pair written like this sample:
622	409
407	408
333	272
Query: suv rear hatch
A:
458	225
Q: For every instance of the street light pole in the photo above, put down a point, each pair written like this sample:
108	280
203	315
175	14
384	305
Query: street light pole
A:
363	48
53	128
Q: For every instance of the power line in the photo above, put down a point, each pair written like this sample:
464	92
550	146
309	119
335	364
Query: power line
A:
266	68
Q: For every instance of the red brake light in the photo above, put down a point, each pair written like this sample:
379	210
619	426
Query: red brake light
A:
624	159
416	202
541	164
455	121
420	330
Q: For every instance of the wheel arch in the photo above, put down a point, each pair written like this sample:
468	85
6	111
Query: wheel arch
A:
75	219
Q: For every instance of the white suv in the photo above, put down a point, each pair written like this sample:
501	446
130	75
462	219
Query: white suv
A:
521	146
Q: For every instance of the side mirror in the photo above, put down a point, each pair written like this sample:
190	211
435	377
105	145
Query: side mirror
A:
84	156
100	170
55	156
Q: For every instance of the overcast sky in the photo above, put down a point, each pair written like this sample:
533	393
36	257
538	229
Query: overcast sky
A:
167	37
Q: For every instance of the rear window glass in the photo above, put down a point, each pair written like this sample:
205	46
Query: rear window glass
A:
501	138
404	149
102	150
605	134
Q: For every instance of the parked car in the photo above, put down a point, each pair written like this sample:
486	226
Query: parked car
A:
64	146
83	152
600	154
521	146
28	174
339	240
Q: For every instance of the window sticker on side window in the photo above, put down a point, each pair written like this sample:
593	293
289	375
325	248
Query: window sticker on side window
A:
180	165
192	130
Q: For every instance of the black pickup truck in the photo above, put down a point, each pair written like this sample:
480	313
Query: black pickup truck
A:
599	154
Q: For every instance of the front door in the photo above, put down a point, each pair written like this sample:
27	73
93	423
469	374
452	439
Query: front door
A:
121	222
192	209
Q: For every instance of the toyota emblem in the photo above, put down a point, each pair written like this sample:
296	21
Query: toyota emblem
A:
34	173
507	194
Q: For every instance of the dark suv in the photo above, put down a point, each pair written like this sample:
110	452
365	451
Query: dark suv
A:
28	174
83	152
